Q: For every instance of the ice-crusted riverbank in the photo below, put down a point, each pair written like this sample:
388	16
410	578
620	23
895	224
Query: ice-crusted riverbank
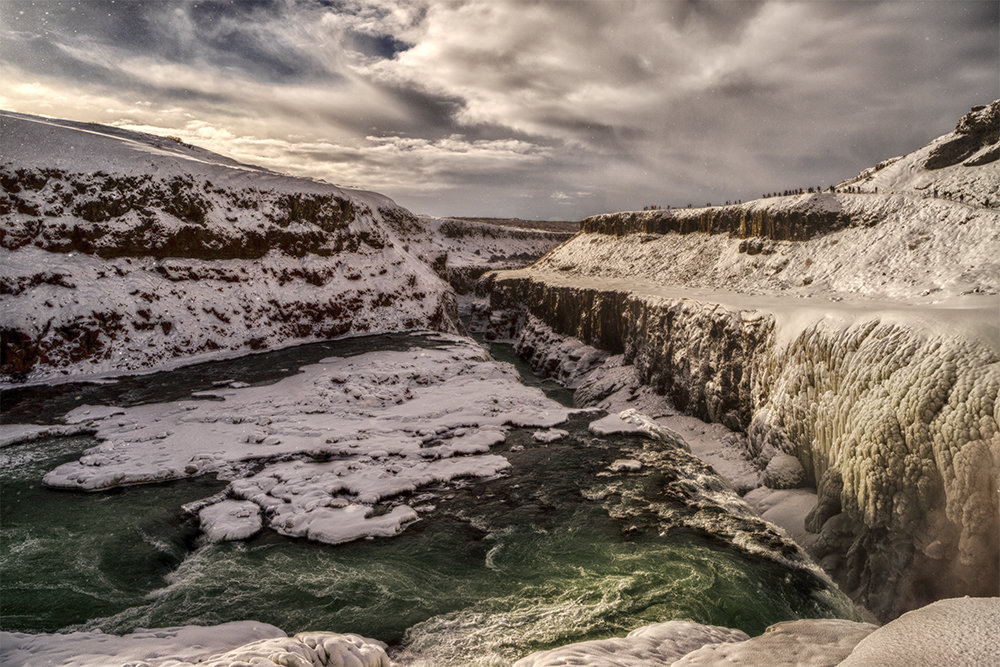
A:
957	632
847	338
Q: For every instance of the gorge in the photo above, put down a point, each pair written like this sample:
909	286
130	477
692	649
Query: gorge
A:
826	361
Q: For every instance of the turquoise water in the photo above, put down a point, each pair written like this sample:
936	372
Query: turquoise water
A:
558	550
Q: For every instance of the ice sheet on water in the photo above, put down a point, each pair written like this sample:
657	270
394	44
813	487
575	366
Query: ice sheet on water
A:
334	440
550	435
15	434
230	520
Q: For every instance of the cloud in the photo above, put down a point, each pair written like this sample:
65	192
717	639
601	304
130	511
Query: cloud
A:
502	107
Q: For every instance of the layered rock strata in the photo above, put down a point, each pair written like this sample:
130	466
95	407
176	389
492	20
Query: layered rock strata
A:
123	251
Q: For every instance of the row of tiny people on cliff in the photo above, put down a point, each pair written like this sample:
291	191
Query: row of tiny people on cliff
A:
851	189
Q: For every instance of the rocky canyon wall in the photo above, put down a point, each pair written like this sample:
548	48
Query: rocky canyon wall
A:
895	424
123	251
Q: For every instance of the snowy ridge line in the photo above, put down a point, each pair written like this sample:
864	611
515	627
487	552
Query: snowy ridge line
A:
960	168
35	141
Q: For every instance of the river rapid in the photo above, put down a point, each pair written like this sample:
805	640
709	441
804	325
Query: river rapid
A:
563	546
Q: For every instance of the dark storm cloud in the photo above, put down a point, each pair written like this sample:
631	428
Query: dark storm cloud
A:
518	108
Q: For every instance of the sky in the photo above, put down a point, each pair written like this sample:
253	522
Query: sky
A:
538	110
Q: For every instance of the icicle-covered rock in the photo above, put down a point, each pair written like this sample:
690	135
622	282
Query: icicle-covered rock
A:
849	334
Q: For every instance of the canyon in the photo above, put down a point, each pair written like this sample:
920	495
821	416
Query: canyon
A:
804	385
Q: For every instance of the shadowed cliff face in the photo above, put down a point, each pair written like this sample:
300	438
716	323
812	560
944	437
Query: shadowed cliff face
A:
896	426
808	217
977	129
143	216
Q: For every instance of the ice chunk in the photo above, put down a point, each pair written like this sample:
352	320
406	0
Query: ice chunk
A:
626	465
550	435
230	520
612	424
658	644
334	525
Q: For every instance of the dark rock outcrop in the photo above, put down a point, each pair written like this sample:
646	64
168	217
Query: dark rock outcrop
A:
806	217
977	129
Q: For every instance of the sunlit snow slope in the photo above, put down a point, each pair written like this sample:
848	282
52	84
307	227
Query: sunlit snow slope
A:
857	330
122	250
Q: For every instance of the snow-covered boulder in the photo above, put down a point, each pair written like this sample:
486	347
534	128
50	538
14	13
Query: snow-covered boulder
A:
959	632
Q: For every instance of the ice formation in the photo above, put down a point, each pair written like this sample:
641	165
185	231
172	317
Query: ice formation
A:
848	339
658	644
334	444
226	645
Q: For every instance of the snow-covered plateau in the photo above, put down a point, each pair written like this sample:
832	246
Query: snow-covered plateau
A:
848	341
123	251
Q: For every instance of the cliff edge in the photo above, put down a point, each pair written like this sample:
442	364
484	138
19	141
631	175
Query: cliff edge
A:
853	331
124	251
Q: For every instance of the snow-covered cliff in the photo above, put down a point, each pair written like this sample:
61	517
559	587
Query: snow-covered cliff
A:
122	251
856	330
